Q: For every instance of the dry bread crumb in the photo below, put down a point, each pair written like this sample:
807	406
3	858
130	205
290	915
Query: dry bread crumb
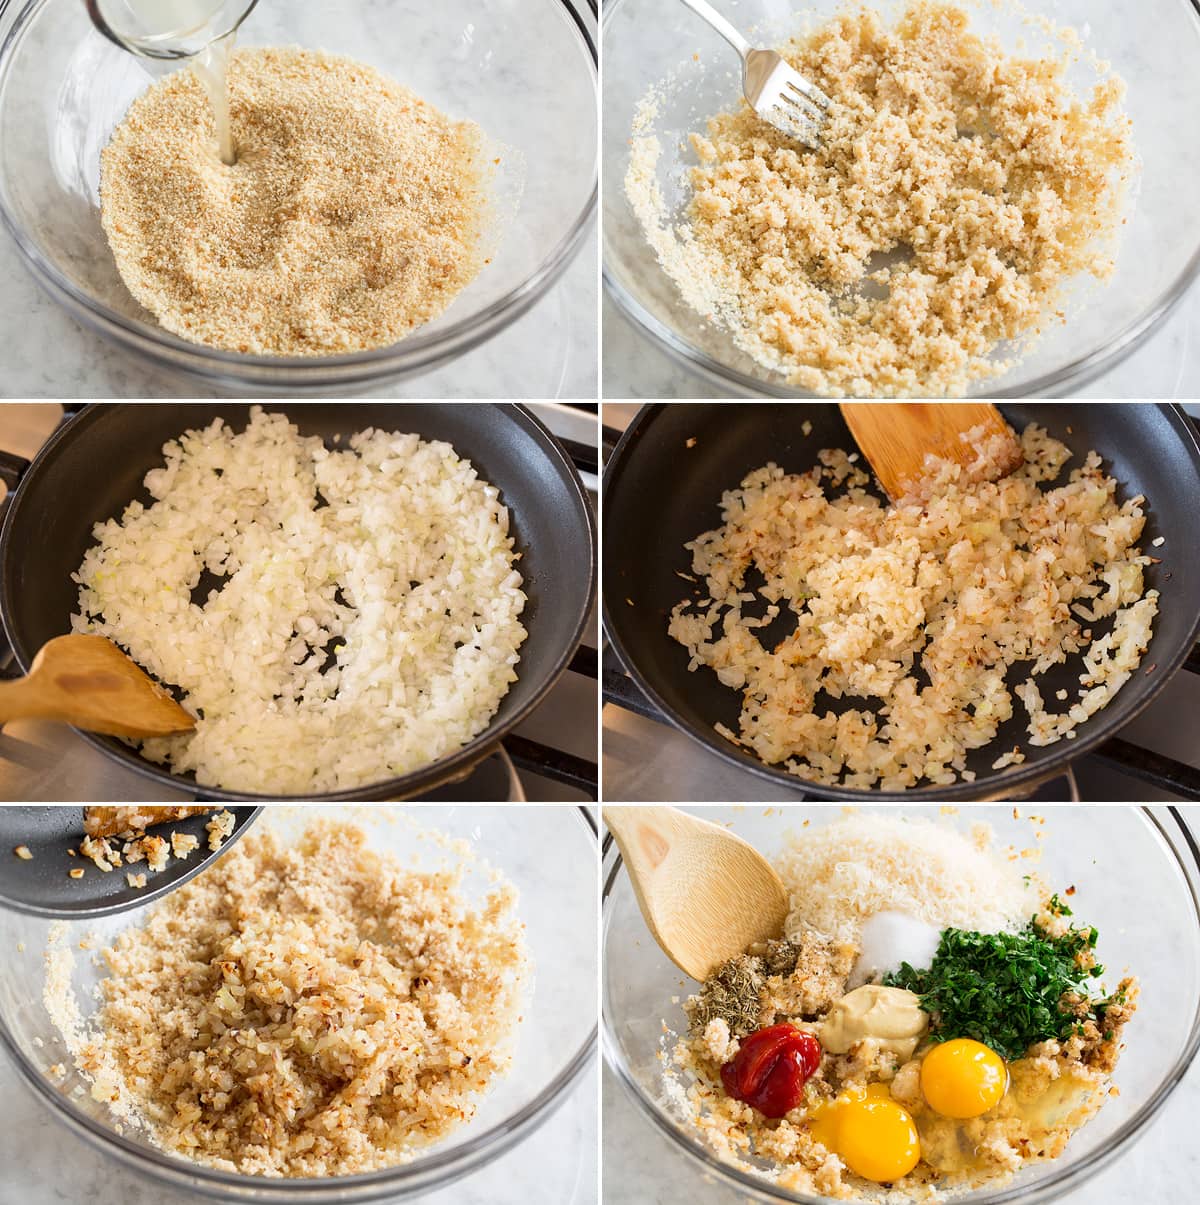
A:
304	1010
136	880
22	852
353	214
77	873
956	191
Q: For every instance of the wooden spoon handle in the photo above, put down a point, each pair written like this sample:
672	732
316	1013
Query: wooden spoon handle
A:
17	702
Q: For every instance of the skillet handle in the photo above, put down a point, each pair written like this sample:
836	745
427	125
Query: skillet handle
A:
582	455
12	469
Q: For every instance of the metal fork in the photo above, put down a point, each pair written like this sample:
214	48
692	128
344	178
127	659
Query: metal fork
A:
778	93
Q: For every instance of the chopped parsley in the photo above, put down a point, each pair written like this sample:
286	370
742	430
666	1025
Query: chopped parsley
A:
1005	989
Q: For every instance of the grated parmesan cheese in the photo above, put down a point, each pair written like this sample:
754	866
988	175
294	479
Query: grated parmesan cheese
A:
841	873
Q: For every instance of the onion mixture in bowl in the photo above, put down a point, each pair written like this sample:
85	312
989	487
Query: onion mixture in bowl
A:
309	1009
932	1021
881	645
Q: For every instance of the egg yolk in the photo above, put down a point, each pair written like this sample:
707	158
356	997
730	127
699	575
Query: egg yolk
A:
873	1135
963	1078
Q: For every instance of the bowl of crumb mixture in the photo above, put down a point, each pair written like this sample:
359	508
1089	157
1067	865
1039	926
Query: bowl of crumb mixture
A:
1143	904
410	180
993	210
352	1004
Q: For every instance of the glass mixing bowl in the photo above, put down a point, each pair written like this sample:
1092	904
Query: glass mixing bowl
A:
548	853
1154	47
524	69
1137	874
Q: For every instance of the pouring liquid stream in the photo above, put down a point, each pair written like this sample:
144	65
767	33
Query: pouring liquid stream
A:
212	66
170	21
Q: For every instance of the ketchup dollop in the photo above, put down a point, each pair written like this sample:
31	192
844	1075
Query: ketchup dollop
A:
771	1067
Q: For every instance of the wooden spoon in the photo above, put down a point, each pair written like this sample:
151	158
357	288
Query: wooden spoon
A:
87	681
705	894
895	437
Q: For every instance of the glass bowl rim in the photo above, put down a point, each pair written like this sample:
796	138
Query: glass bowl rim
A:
415	351
1074	374
1180	840
454	1162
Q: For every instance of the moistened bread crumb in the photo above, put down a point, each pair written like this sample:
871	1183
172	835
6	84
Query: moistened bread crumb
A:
956	191
305	1010
352	215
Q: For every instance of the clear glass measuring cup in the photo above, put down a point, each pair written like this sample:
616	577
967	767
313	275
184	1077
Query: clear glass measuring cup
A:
168	29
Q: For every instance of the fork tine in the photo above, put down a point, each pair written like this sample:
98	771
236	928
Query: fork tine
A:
794	122
810	92
806	106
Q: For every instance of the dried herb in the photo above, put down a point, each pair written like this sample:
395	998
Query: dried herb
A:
780	957
732	993
1008	990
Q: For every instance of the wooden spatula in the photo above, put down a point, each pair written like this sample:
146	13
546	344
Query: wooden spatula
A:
87	681
896	437
705	894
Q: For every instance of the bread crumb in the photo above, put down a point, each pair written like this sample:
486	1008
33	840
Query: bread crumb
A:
23	852
311	1009
354	214
956	192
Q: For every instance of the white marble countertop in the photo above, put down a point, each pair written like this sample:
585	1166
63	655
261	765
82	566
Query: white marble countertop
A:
549	352
45	1164
1167	365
